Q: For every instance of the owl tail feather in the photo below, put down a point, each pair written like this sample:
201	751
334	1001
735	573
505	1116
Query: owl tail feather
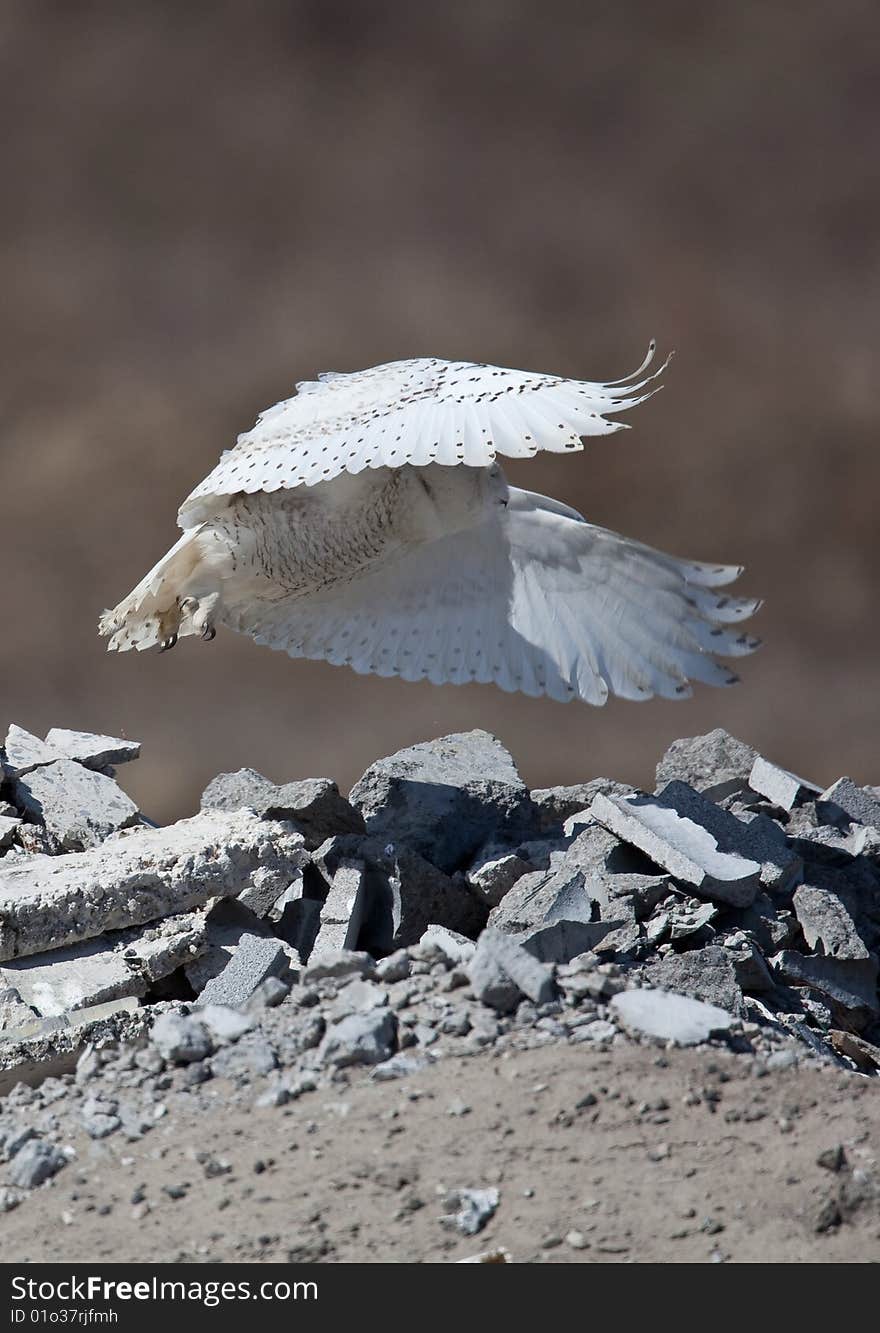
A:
152	614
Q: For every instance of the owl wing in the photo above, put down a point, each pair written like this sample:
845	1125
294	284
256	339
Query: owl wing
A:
534	599
418	412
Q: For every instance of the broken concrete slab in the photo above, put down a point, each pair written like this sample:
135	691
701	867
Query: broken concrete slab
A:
91	750
52	1046
51	902
779	786
23	751
497	953
543	897
749	967
445	798
669	1017
120	963
713	761
78	807
758	839
850	983
253	961
314	804
844	803
707	974
561	941
863	1053
471	1210
344	908
226	925
14	1013
680	845
826	923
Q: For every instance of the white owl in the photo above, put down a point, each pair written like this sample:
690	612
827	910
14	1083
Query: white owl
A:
366	521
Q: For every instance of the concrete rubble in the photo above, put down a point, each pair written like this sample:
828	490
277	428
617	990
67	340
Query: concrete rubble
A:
288	938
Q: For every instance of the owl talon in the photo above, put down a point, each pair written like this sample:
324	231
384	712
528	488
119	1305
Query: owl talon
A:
209	633
168	643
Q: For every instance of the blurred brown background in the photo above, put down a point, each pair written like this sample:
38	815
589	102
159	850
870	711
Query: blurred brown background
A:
205	202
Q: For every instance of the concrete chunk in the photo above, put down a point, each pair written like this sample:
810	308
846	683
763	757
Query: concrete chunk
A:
825	922
8	825
457	948
687	850
314	804
707	762
35	1162
50	902
670	1017
557	804
254	960
497	952
24	751
360	1039
705	974
543	897
180	1039
850	983
90	750
335	966
561	941
121	963
78	807
784	789
845	803
757	839
445	798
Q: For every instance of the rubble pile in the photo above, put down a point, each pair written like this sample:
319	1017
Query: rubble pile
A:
285	935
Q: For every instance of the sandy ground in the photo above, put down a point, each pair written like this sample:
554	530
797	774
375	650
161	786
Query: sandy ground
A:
683	1157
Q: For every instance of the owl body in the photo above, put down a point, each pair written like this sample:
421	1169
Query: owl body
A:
367	522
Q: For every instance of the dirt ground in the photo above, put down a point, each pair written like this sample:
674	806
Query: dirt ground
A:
684	1157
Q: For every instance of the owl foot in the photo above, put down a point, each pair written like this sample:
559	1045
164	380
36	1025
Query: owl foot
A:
202	612
168	643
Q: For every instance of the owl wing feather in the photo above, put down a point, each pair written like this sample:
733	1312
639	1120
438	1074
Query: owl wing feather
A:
419	412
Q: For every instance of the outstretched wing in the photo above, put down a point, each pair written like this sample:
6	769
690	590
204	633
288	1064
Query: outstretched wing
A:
533	599
417	412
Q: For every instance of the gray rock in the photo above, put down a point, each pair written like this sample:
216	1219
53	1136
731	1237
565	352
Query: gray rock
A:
706	974
749	968
684	848
445	798
268	995
254	960
851	983
472	1210
499	957
557	804
495	872
180	1039
92	751
333	967
13	1010
396	967
780	787
456	948
344	908
360	1039
24	751
250	1058
314	805
120	963
78	807
670	1017
48	903
710	762
8	825
35	1162
358	997
844	803
543	897
100	1124
561	941
227	924
224	1024
826	923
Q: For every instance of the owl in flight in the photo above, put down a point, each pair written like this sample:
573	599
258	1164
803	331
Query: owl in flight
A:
367	522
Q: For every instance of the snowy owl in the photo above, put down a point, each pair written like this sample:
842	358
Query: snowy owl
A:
367	521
